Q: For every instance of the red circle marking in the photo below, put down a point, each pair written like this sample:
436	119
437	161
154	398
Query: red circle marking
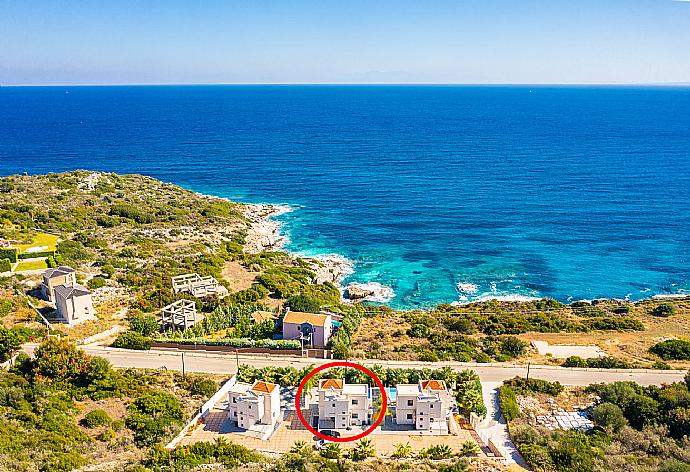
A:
377	381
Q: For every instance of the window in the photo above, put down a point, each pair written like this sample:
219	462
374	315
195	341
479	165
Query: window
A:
333	405
409	416
355	416
234	399
235	413
355	402
410	402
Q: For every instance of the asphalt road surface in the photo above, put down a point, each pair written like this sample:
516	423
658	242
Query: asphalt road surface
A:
226	363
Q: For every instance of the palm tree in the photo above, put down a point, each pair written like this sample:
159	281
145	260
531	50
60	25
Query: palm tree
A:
469	448
363	450
402	451
440	451
300	447
331	451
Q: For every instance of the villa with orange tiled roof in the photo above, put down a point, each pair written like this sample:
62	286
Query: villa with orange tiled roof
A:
254	404
314	329
342	405
423	404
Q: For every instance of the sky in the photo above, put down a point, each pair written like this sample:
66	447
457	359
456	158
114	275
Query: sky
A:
45	42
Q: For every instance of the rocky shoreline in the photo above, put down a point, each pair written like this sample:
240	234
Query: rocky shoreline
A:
264	235
264	232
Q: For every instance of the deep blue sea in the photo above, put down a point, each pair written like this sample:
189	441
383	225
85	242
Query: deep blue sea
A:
565	192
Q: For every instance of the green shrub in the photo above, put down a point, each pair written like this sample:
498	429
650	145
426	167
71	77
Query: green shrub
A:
146	325
614	324
5	265
203	387
608	416
131	212
508	402
9	253
574	361
6	306
303	303
664	310
523	386
96	283
132	340
607	362
673	349
279	344
153	417
96	418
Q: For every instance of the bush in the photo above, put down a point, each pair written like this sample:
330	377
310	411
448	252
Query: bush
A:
673	349
96	418
614	324
523	386
303	303
6	307
574	361
9	253
508	402
146	325
96	283
203	387
5	265
132	340
154	416
131	212
664	310
607	362
608	416
279	344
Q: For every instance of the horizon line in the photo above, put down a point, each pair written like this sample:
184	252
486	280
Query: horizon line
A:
440	84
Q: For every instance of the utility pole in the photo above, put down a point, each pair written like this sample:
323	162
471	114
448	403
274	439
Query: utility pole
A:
182	364
528	364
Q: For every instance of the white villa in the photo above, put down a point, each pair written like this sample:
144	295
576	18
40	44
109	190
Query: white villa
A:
254	404
55	276
423	405
343	405
198	286
73	303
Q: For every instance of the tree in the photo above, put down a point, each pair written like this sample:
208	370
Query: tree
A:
96	283
303	303
153	416
10	341
60	360
608	416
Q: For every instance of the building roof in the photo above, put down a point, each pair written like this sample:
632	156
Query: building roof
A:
314	319
58	271
261	316
434	385
407	389
240	387
71	291
336	384
263	387
355	389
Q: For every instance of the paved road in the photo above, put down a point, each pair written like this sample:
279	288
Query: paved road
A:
217	363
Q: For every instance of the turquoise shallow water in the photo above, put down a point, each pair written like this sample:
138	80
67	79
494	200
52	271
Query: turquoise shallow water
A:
571	193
